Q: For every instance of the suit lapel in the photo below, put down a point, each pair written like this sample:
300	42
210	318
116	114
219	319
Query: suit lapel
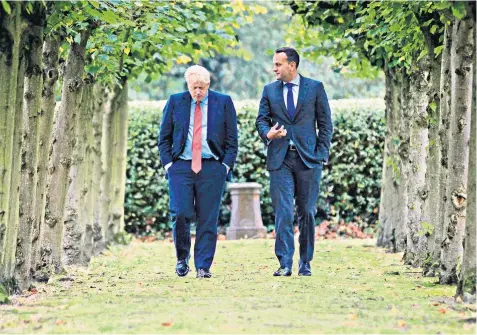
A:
279	93
304	86
185	109
212	106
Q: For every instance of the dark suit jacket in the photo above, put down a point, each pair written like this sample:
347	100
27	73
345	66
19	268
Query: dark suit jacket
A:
310	129
221	127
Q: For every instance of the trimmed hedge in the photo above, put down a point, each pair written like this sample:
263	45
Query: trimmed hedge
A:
350	186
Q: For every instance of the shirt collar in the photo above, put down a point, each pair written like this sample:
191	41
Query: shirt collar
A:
203	101
295	81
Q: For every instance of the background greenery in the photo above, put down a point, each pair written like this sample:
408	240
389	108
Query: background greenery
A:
243	76
350	186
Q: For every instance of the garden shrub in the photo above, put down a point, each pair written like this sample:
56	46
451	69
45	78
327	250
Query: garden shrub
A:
350	185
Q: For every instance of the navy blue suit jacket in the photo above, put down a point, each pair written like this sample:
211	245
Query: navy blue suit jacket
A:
221	128
310	128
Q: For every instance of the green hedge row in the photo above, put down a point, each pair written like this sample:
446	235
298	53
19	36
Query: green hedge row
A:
350	187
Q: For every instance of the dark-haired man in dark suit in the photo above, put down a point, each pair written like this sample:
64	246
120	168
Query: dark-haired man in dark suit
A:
294	119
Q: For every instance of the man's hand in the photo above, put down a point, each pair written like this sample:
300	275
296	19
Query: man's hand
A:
227	168
276	133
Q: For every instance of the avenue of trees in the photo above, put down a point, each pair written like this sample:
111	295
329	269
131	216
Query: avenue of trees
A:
62	164
427	52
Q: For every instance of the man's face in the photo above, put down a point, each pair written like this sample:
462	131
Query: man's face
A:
197	89
284	70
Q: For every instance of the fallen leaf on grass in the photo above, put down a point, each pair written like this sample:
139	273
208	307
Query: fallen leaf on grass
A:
60	322
394	310
401	323
435	304
353	316
442	311
167	324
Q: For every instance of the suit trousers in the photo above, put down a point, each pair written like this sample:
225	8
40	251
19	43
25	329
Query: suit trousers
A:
294	184
196	197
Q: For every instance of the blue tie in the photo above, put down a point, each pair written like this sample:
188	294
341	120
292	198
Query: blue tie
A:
290	103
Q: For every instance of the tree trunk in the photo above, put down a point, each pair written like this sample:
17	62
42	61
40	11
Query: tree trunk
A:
45	128
462	50
438	182
391	176
29	157
107	161
99	242
466	286
87	202
51	230
119	106
432	187
10	34
405	113
14	200
417	158
75	218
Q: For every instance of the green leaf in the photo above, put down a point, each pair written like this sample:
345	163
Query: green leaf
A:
422	54
438	50
458	10
6	7
433	106
95	4
110	17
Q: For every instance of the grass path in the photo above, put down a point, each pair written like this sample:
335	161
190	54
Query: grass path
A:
355	288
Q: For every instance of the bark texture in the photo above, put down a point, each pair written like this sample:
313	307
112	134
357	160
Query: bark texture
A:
99	242
417	192
466	287
391	178
10	34
75	218
405	114
29	148
51	231
462	52
119	105
87	202
45	128
438	173
107	161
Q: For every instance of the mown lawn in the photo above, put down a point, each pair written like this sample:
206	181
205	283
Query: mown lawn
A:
355	288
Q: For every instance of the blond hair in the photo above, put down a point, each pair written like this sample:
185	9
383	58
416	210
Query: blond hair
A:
197	72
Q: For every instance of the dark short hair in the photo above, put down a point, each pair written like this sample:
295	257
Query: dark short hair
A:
291	53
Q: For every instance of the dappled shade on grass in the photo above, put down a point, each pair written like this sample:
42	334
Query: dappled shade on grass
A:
355	288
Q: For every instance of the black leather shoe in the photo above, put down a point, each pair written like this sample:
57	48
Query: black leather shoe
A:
283	271
203	273
182	268
304	269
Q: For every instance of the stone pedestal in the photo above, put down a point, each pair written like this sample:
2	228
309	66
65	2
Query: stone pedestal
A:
246	218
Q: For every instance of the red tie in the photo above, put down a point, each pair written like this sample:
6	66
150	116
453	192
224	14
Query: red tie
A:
197	140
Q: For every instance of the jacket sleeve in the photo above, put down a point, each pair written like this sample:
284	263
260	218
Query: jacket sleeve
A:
165	134
264	118
324	123
231	133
